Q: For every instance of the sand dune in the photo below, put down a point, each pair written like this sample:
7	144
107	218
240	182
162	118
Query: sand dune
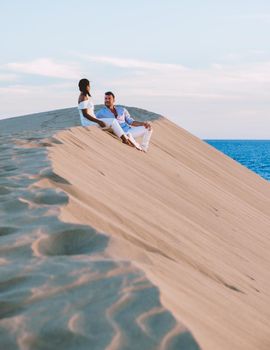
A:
59	287
194	220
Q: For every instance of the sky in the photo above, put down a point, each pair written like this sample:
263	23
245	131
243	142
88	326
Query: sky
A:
204	64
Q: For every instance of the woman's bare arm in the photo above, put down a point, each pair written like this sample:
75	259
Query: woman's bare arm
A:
88	116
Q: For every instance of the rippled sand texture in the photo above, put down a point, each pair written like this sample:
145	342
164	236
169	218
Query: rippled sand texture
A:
194	220
59	287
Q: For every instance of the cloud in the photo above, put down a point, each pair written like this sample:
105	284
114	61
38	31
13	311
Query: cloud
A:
37	90
217	82
46	67
247	56
15	90
8	77
221	100
24	99
133	63
194	81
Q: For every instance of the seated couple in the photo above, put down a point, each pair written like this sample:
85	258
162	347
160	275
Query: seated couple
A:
114	118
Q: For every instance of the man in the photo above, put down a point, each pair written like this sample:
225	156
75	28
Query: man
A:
130	126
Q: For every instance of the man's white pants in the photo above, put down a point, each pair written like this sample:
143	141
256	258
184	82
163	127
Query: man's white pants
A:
137	131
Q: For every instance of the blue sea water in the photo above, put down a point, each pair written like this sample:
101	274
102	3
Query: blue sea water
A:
253	154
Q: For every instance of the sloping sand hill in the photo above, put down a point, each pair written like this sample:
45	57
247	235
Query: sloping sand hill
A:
194	220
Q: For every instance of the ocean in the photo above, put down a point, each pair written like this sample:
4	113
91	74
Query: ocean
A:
253	154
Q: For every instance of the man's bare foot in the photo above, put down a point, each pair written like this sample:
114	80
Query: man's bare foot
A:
126	141
134	142
138	147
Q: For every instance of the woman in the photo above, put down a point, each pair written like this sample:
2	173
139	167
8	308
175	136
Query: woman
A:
87	115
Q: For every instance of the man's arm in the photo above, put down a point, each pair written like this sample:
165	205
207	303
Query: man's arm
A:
133	122
146	124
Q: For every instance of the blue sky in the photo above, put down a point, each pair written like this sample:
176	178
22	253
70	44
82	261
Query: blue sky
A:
203	64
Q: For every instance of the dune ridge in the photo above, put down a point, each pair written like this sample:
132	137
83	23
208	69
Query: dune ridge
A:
59	288
194	220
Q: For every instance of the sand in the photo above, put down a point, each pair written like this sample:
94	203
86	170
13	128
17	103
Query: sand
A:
195	221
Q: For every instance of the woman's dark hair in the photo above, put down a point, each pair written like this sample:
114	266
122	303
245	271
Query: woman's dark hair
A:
83	83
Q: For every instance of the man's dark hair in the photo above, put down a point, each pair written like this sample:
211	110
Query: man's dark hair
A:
109	93
83	83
